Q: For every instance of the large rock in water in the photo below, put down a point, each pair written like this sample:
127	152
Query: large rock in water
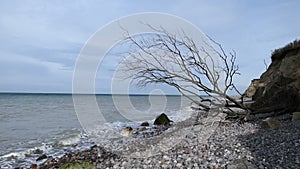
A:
278	89
162	120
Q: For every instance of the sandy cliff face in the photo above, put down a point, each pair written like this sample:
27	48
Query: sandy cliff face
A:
278	89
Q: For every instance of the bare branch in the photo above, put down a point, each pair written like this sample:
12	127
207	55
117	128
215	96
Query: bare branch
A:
177	61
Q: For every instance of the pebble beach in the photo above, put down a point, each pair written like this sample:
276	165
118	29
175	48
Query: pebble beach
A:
230	144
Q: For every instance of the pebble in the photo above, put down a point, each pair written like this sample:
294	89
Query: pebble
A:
178	165
228	143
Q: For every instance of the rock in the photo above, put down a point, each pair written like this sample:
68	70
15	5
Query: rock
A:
296	116
255	84
33	166
162	120
78	165
37	151
126	131
269	123
179	165
143	129
191	135
278	88
145	124
42	157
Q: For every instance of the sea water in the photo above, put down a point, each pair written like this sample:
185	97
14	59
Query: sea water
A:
36	124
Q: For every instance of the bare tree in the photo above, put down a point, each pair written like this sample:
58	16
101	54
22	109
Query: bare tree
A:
176	60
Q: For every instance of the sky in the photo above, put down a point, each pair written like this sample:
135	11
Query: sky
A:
40	40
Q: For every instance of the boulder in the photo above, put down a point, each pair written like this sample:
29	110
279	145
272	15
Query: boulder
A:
296	116
78	165
270	123
162	119
126	131
145	124
278	88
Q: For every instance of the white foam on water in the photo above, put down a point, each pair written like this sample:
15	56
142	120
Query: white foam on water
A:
70	140
112	130
23	154
181	115
27	157
107	135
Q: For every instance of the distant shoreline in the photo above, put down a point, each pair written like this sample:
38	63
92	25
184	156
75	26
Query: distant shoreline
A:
97	94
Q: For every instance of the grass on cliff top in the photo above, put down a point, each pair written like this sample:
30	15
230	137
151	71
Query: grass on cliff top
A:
281	52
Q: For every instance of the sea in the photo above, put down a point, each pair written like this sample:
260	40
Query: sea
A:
53	124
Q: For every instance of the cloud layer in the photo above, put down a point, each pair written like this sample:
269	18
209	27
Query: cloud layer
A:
40	40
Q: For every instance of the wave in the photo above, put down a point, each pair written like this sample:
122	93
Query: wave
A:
105	135
74	139
58	148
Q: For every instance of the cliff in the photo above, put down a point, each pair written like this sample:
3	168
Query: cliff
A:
278	89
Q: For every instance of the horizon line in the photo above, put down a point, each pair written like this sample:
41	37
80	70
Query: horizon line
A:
68	93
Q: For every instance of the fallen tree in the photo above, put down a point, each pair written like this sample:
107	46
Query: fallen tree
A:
205	75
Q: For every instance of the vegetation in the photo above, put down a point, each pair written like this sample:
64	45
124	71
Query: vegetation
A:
78	165
278	53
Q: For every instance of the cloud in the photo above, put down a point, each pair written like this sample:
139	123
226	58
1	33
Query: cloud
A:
40	40
21	73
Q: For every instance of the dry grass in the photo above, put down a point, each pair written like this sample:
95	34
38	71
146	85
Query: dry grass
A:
281	52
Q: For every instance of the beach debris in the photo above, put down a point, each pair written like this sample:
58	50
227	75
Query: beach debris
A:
145	124
127	131
270	123
296	116
162	120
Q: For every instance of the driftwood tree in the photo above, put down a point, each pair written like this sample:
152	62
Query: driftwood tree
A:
176	60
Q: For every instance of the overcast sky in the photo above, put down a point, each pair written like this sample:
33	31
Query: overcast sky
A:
40	40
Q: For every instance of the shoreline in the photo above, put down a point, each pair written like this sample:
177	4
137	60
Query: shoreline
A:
230	144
